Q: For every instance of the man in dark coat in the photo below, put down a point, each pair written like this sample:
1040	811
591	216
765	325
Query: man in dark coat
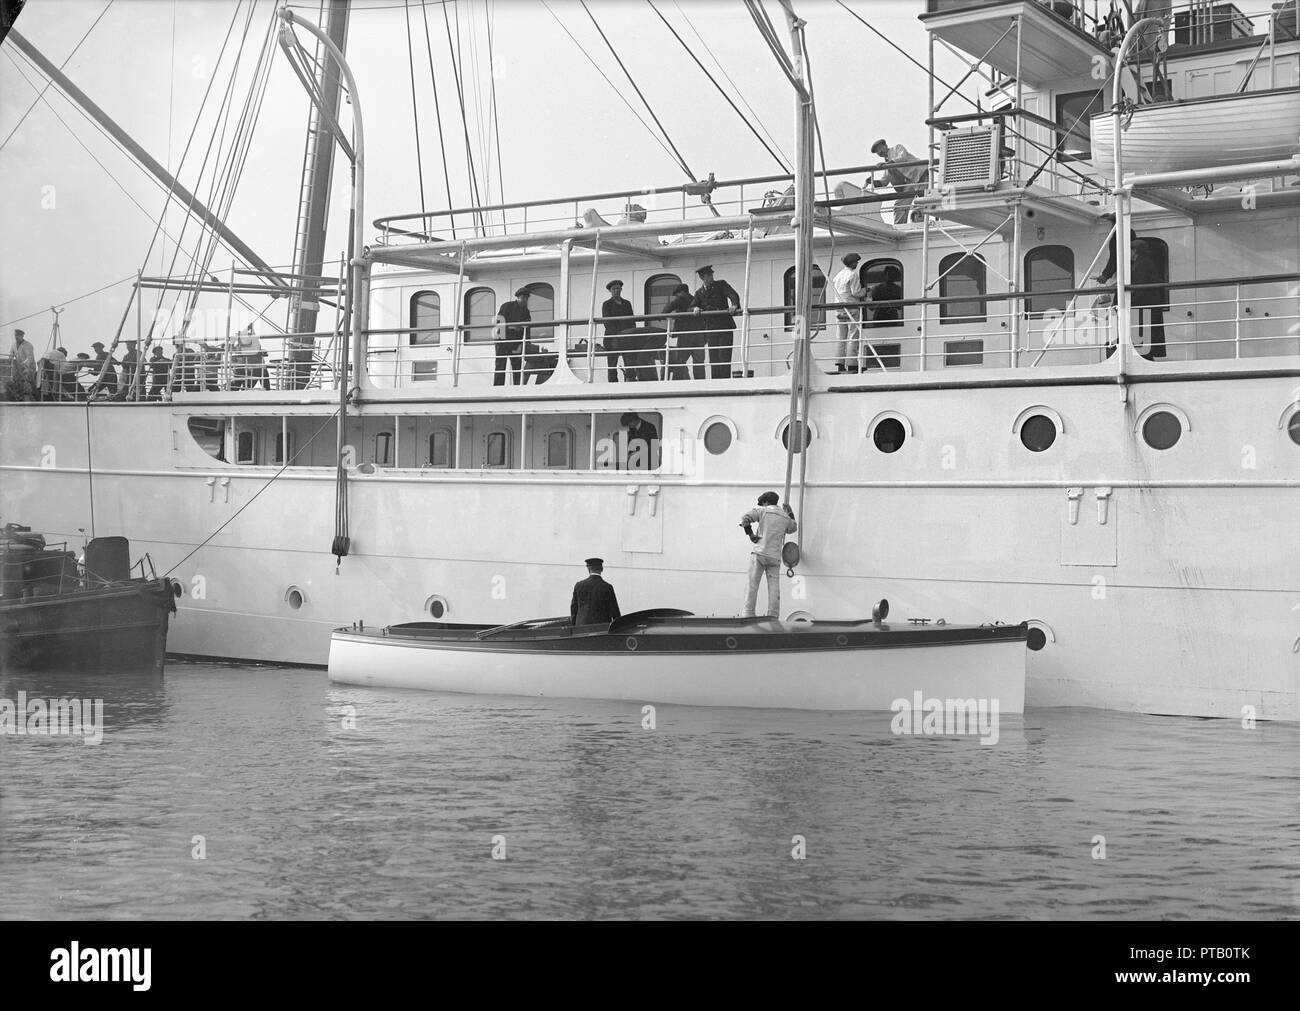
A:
690	342
104	369
1144	268
161	369
594	602
642	442
616	346
716	301
510	336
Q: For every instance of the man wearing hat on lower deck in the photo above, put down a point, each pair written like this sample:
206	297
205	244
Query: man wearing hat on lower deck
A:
848	288
616	346
716	301
24	383
510	338
107	374
594	602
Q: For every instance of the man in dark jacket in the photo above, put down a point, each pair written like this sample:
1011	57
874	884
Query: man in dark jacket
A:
510	338
617	346
716	301
690	343
594	602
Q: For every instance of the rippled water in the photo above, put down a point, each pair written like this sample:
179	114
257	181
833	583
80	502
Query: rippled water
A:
396	818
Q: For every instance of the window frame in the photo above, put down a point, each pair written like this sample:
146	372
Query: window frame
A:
468	326
1040	254
947	316
1063	132
427	339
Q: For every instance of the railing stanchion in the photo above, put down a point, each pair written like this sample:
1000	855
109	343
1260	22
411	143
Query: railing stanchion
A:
458	312
1236	329
744	309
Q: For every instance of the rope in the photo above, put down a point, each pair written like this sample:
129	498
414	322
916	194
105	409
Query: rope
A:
415	108
48	84
613	52
275	477
496	121
622	97
67	301
437	108
723	71
460	97
712	81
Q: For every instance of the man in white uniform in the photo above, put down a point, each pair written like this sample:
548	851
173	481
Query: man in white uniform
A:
773	524
848	288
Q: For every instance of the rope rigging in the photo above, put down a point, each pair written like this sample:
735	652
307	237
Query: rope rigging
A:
415	108
723	70
628	74
726	97
37	100
454	50
437	108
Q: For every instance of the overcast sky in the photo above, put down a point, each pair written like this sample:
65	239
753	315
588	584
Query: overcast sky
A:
72	226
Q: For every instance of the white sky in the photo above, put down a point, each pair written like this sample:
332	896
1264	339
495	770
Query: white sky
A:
69	228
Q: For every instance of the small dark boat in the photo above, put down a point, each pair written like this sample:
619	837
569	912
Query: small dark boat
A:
56	614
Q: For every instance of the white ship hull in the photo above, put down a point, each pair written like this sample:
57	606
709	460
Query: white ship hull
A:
857	680
1169	587
1223	130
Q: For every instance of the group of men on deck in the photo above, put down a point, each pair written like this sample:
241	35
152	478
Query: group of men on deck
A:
702	322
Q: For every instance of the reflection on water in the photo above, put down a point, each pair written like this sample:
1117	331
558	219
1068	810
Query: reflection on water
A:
302	814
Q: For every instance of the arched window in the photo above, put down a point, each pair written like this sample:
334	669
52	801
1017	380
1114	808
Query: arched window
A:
541	307
281	454
658	290
872	276
559	449
246	447
480	311
1048	269
964	276
384	449
426	311
496	449
818	293
440	442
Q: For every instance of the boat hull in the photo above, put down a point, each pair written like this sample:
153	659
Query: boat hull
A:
847	679
118	629
1224	130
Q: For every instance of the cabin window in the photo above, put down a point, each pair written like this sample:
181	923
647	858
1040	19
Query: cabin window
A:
658	290
559	449
1038	433
875	356
963	352
384	449
873	276
541	307
246	447
964	277
1293	428
210	434
426	311
1073	129
717	438
496	450
1162	430
480	311
889	435
283	440
818	295
1048	269
440	441
424	372
800	444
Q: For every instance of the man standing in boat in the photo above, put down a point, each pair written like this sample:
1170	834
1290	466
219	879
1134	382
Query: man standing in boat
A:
594	601
510	338
716	301
773	524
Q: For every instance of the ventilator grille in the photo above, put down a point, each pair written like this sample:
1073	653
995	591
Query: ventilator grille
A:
970	157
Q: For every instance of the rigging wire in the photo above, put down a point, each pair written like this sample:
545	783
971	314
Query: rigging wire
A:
714	82
171	118
613	87
496	121
613	52
453	50
415	108
68	301
437	108
36	101
723	70
116	181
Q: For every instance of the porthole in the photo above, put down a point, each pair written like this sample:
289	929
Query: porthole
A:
295	598
800	617
1293	428
717	438
807	437
1162	430
437	607
889	435
1037	433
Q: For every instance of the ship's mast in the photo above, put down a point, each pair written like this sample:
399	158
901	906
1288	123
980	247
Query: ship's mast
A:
318	172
